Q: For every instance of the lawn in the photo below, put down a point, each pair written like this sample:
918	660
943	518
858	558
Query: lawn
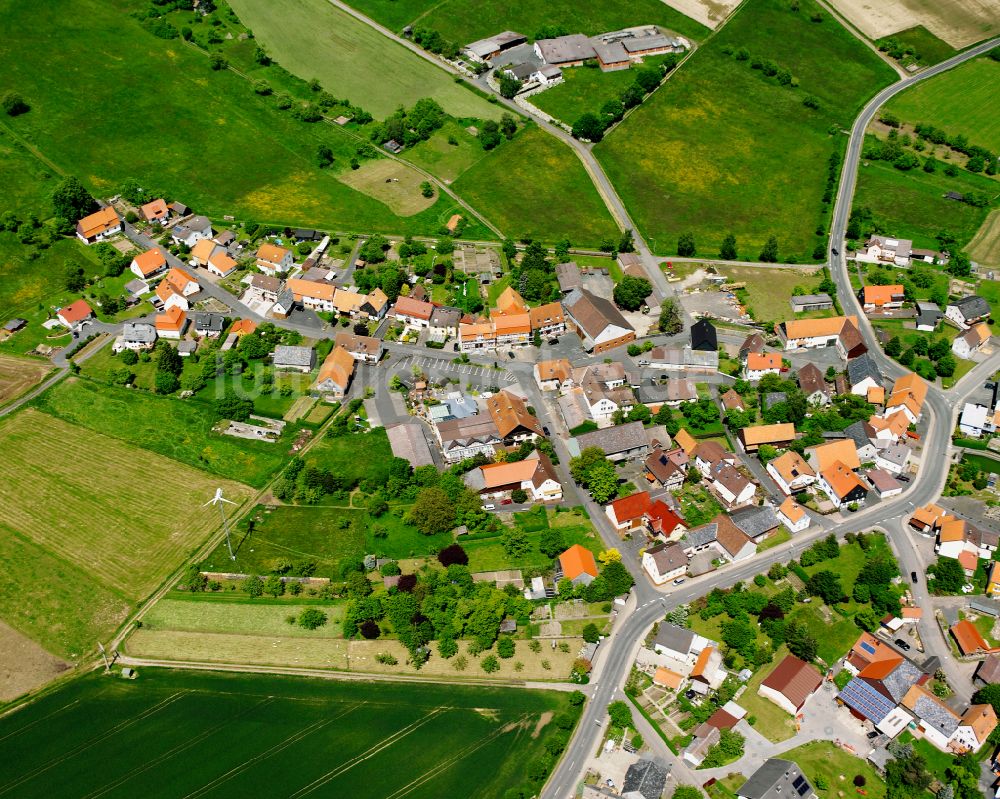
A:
292	535
489	555
769	291
315	39
772	722
444	159
463	21
929	49
174	733
962	100
225	149
582	90
175	428
720	147
535	187
91	526
357	457
221	613
912	204
837	768
17	375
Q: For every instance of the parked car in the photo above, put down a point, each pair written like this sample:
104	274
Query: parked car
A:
506	502
643	363
873	734
489	506
902	644
511	355
678	581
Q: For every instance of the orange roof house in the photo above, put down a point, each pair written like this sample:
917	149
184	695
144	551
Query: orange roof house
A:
578	565
895	424
202	251
667	679
272	253
311	289
172	322
756	435
149	263
698	672
413	309
155	211
968	561
98	224
982	719
796	329
511	416
512	324
969	641
928	517
868	650
74	313
993	579
347	302
685	441
876	395
243	327
510	302
823	456
908	395
558	371
759	361
844	483
182	282
792	510
878	296
336	372
951	529
547	316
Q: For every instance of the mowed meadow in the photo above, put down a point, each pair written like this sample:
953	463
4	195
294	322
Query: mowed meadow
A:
721	147
166	117
91	525
175	733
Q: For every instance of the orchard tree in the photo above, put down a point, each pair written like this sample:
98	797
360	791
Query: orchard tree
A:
685	245
589	127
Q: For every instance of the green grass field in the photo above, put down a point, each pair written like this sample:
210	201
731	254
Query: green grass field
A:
222	613
912	204
91	525
444	159
536	187
836	767
720	147
929	48
224	151
961	100
356	457
582	90
464	21
769	291
315	39
174	733
985	245
177	429
487	554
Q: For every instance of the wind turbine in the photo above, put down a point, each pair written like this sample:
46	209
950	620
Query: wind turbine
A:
219	500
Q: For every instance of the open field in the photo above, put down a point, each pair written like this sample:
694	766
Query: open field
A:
315	39
962	100
536	187
958	22
173	733
582	90
464	21
24	665
177	429
262	160
985	245
215	613
17	375
762	171
912	204
836	767
80	515
928	48
356	457
394	183
769	291
438	156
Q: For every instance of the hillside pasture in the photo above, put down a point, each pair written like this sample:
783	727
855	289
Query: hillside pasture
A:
963	100
582	90
177	429
173	733
391	182
720	147
77	503
985	246
315	39
17	375
225	149
958	22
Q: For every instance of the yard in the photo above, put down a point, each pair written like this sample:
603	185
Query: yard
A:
213	114
823	761
173	428
488	554
232	734
985	245
463	21
678	174
444	159
222	613
91	526
358	457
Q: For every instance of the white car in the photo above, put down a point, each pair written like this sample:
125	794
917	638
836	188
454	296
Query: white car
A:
489	506
968	588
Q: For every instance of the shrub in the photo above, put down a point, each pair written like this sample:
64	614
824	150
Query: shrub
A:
386	659
490	664
312	618
505	647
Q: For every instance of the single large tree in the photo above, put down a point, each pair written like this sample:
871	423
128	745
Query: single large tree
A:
589	127
433	512
632	292
71	200
728	248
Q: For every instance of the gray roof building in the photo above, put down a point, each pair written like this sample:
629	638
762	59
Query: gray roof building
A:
700	536
139	333
858	432
972	307
208	322
811	302
565	49
568	275
622	440
896	454
674	638
294	357
407	441
773	398
861	368
645	779
755	520
776	779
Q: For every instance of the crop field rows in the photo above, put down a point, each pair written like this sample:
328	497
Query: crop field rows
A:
183	735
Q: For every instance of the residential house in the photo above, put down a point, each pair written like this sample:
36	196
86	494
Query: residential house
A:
731	487
881	298
312	295
971	341
813	385
213	257
598	322
99	225
265	288
978	420
73	314
993	581
863	374
208	325
793	516
885	484
974	728
683	359
169	297
836	331
361	348
775	435
935	721
547	320
688	443
513	421
907	395
884	250
879	687
666	467
444	322
374	305
893	458
284	305
890	427
704	337
577	565
752	343
535	475
415	313
171	323
181	282
191	231
863	435
841	485
757	521
136	336
468	437
664	562
679	643
645	779
155	212
970	641
791	472
811	302
273	259
680	390
569	277
640	512
841	450
776	779
178	208
242	327
622	442
928	518
759	364
148	264
334	379
294	358
722	536
554	375
988	670
731	401
850	343
968	311
928	315
790	684
707	454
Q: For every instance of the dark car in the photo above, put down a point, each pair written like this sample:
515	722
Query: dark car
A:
511	355
902	478
902	644
913	577
833	250
546	430
690	694
873	734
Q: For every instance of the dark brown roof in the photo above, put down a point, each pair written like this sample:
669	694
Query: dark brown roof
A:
850	338
730	537
753	343
989	669
510	412
732	401
811	379
794	679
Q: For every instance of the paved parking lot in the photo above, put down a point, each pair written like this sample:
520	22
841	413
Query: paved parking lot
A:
441	365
